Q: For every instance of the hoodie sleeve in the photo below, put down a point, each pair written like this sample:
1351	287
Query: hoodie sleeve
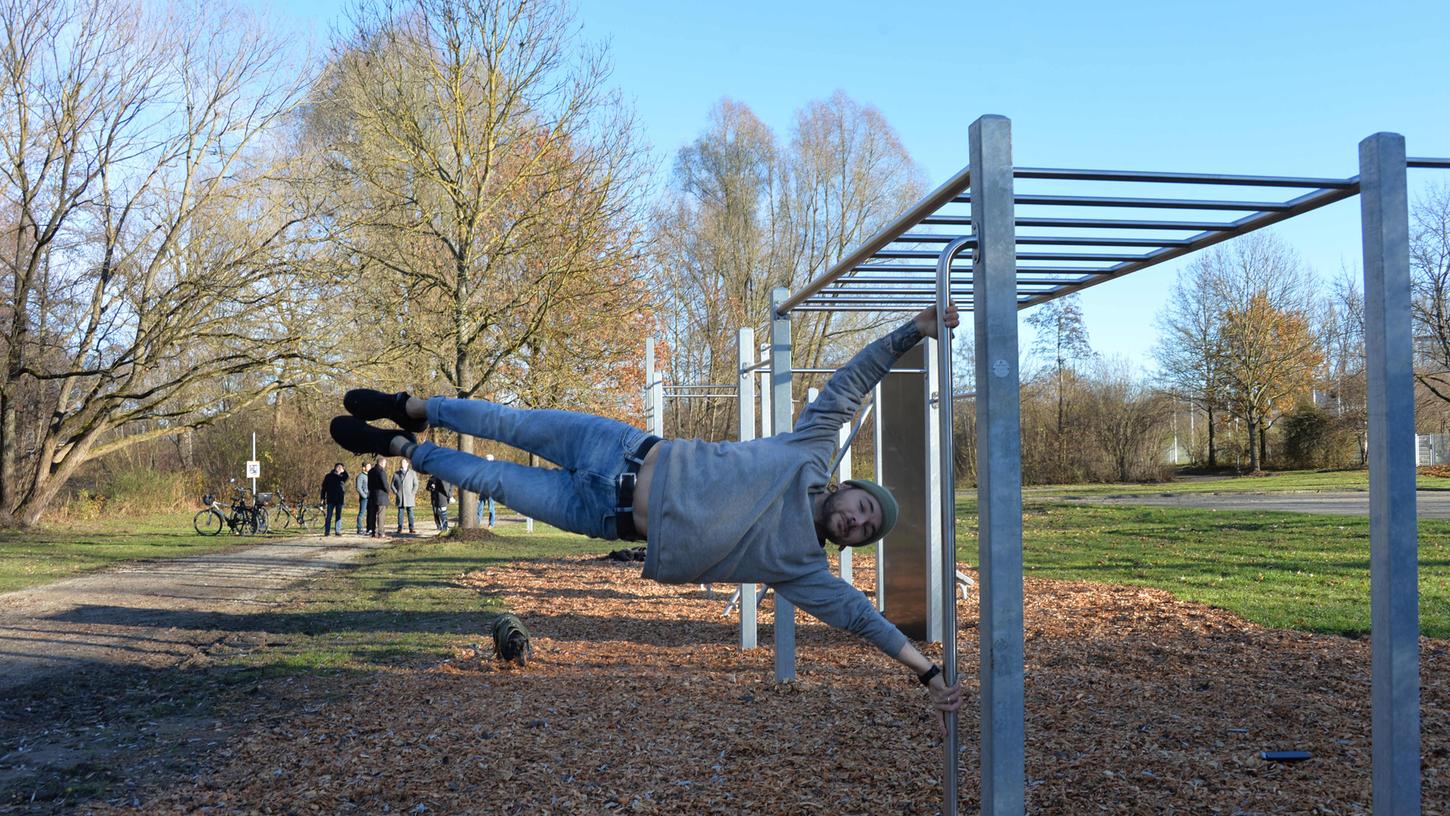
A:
843	606
845	390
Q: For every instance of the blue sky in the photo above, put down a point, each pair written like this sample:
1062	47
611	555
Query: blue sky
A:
1273	87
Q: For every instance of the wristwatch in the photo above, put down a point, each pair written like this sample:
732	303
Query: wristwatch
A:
926	676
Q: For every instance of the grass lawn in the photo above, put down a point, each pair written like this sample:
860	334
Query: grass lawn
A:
1289	570
1272	482
54	551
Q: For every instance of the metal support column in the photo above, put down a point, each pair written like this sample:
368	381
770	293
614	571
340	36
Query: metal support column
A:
746	406
999	470
877	476
781	422
654	383
1394	588
843	443
936	600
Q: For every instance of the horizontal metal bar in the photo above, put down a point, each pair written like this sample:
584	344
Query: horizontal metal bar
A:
1298	206
926	206
1084	240
731	395
807	306
1137	224
1428	162
1040	240
912	283
834	370
1021	270
1178	178
1143	203
1075	256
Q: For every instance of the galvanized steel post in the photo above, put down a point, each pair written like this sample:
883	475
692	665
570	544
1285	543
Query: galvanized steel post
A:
877	476
1394	588
999	469
946	573
745	401
780	348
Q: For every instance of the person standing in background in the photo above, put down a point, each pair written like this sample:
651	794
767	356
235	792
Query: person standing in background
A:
377	496
482	500
405	494
334	490
361	485
439	494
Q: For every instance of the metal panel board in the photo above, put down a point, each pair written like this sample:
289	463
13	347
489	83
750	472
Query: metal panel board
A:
903	452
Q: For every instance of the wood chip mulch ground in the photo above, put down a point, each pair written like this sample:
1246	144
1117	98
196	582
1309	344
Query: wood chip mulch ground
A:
637	701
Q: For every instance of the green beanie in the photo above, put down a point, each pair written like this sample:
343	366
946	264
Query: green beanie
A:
889	508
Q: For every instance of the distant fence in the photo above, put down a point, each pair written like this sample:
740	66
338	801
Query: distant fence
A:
1432	449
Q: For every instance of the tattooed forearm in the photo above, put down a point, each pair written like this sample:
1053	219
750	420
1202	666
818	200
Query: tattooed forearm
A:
903	338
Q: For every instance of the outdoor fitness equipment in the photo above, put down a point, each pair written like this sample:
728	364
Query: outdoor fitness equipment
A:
979	262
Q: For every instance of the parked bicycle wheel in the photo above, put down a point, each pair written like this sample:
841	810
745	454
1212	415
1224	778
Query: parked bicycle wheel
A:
208	522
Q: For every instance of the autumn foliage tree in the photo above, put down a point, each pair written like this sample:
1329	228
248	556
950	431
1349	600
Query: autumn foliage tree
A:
1270	358
487	195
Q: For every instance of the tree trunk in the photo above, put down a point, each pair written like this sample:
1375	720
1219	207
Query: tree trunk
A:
1263	447
1212	447
1253	426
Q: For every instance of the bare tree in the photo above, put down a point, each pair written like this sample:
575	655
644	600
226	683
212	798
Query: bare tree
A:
1062	338
1127	421
1189	352
488	186
745	215
145	232
1430	303
1343	378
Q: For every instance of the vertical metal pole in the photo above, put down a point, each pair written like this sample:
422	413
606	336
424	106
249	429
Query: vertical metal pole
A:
880	479
999	468
254	458
780	348
843	441
647	397
745	399
936	601
655	385
946	528
1394	588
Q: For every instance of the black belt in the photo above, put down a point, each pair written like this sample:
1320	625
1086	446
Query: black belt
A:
626	483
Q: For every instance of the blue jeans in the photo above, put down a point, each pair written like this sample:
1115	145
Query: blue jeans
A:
362	512
486	501
578	496
401	512
332	519
440	517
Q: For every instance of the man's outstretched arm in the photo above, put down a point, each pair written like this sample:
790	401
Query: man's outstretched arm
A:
844	391
841	605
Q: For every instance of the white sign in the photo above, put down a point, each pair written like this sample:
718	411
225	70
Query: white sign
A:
254	469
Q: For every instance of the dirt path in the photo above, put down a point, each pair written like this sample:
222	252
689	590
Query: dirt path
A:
154	614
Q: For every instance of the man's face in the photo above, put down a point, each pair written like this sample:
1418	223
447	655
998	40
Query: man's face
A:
852	516
338	470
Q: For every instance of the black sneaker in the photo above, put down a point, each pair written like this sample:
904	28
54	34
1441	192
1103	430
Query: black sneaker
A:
359	437
368	405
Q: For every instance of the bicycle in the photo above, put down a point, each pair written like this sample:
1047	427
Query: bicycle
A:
245	516
297	512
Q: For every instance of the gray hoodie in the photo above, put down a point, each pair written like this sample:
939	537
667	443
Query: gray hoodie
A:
740	512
